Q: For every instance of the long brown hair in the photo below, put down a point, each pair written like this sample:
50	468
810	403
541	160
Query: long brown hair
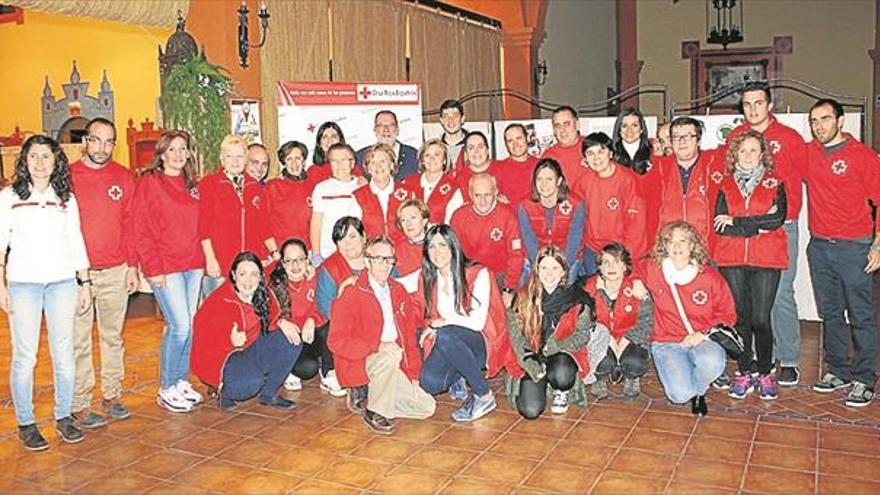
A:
699	250
157	164
528	303
730	157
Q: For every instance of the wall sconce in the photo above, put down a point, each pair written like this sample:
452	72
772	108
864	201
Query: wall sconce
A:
540	73
243	36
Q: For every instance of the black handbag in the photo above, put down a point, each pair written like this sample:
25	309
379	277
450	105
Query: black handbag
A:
729	339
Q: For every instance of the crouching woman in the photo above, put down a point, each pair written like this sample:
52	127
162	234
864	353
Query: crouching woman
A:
240	347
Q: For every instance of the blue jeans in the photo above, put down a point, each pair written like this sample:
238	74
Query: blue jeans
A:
178	301
840	284
28	302
784	315
209	285
458	352
259	369
686	372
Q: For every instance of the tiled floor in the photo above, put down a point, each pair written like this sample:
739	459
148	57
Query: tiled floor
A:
801	443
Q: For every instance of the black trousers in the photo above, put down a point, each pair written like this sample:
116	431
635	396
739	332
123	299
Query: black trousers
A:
754	290
561	375
633	363
315	356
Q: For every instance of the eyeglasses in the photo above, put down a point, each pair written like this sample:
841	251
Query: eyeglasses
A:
388	260
683	138
294	261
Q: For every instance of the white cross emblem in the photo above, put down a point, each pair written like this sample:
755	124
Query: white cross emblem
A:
716	177
496	234
115	192
700	297
194	193
770	182
775	147
444	189
565	207
400	194
612	203
839	167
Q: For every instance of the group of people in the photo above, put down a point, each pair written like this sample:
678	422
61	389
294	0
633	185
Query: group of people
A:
394	275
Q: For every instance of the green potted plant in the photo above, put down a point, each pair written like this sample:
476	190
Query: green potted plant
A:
194	99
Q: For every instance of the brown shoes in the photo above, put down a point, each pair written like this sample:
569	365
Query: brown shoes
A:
377	423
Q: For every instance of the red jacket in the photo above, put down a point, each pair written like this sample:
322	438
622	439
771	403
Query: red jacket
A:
212	326
790	160
650	187
766	249
375	223
840	186
564	328
624	316
303	299
439	199
615	211
493	240
515	179
166	225
696	205
289	208
409	256
231	224
356	330
570	158
499	353
706	299
105	197
464	174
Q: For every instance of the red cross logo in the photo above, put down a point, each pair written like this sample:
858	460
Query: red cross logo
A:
700	297
194	193
310	295
612	203
400	194
839	167
115	192
770	182
444	189
365	92
565	207
628	308
775	147
717	177
496	234
256	202
311	128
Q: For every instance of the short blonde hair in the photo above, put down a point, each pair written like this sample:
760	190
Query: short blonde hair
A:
233	140
381	148
427	144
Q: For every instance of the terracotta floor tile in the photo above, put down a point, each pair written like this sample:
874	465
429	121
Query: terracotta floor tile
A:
245	424
121	481
252	452
353	472
769	480
134	425
212	475
408	481
422	432
782	435
300	461
855	466
549	426
69	476
466	438
849	486
497	421
165	464
286	433
796	459
386	449
724	428
316	487
679	488
709	472
581	454
561	477
443	459
656	441
122	454
640	463
167	433
617	483
95	441
598	434
341	441
718	448
849	442
612	415
506	470
675	423
207	442
530	446
262	482
176	489
467	486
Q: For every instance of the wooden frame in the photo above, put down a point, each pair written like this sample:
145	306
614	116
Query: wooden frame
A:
714	70
141	143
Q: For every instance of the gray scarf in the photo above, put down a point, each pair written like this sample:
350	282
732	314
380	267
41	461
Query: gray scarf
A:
747	180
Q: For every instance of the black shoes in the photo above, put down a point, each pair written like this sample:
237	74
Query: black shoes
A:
31	438
68	431
278	402
89	420
357	400
789	376
378	423
698	405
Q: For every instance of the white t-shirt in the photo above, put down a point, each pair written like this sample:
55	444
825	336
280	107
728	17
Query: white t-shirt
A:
476	319
334	199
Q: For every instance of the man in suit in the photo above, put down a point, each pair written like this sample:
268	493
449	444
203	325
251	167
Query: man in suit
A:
386	130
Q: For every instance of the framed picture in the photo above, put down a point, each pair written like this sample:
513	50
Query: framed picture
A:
724	76
245	119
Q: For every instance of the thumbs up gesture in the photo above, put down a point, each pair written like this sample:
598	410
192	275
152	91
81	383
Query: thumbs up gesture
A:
238	338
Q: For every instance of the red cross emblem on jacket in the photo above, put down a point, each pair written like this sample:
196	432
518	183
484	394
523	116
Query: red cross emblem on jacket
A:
496	234
115	192
700	297
613	203
565	207
839	167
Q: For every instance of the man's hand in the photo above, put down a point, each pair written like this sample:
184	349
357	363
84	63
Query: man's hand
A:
157	281
873	261
345	283
639	291
212	267
132	281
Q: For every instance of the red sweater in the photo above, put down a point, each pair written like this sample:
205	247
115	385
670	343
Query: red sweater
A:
303	303
439	199
493	240
212	328
615	211
464	174
706	299
696	205
840	186
515	178
650	187
289	208
105	197
570	158
375	222
790	157
231	224
166	225
356	330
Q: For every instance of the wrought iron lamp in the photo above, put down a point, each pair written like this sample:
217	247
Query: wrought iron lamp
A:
727	26
244	45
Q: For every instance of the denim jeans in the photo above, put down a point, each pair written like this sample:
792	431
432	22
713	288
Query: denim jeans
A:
209	285
841	285
457	352
178	301
784	315
686	372
259	369
28	302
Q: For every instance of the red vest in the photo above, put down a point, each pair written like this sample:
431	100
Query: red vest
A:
624	316
696	205
765	250
375	223
564	328
409	256
562	217
443	192
337	268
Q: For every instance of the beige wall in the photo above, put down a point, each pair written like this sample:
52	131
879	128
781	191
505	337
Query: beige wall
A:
579	49
831	43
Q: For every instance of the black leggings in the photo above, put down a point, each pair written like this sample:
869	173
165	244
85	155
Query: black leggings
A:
315	356
754	290
633	363
561	375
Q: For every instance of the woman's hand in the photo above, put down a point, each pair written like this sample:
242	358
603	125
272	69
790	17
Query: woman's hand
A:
639	291
85	299
345	283
212	267
722	222
291	331
5	305
427	333
694	339
308	331
157	281
237	338
437	323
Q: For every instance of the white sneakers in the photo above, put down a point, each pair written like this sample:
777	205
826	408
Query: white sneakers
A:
293	383
331	385
560	402
179	398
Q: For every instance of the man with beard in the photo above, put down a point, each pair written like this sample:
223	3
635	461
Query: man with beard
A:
843	181
386	130
104	190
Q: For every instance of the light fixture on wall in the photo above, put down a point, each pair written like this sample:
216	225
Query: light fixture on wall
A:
724	22
244	45
540	73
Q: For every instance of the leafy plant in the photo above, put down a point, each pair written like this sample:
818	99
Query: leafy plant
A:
194	99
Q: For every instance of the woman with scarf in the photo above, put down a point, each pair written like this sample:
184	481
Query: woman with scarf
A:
750	248
550	330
